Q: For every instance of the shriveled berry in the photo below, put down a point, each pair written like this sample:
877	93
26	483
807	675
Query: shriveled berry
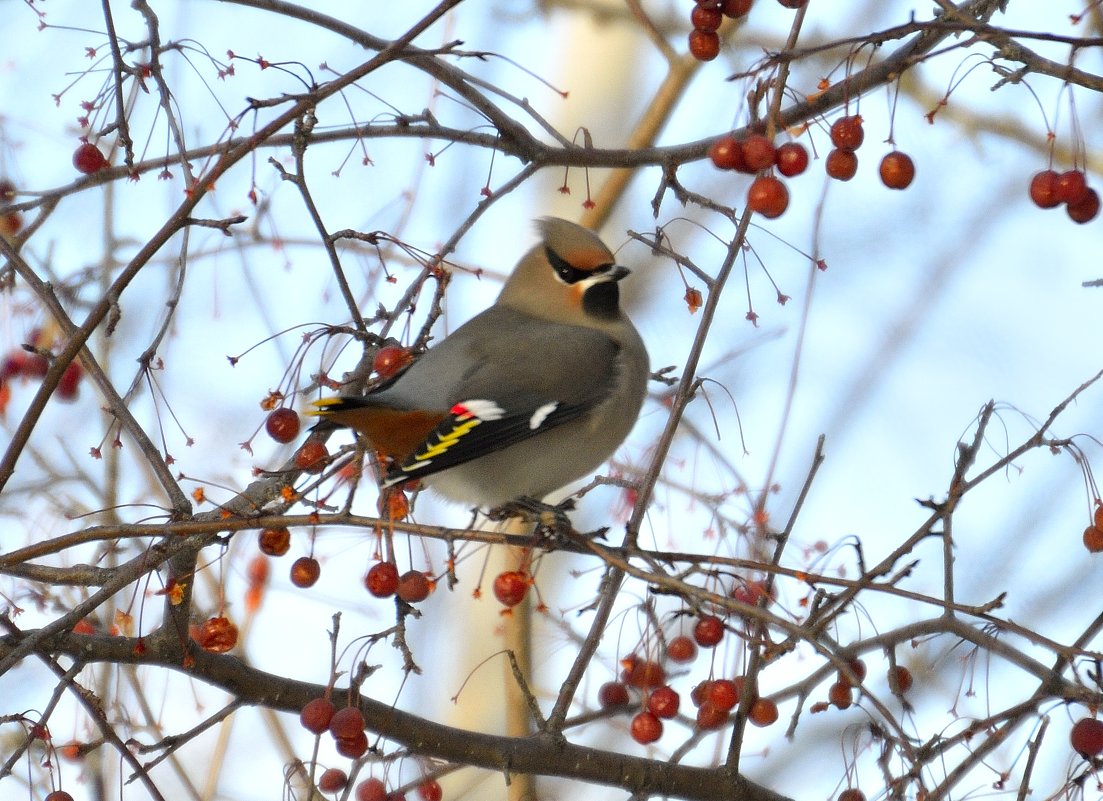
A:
852	794
857	667
274	541
217	635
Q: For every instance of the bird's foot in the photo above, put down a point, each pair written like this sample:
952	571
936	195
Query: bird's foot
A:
551	521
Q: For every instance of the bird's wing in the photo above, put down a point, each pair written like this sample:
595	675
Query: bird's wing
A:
543	377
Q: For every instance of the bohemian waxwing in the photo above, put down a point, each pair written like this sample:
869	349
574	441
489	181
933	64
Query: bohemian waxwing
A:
526	397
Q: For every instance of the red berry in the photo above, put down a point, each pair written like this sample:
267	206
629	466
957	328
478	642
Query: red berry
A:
768	196
1087	737
391	360
897	170
1072	187
346	722
841	164
282	424
88	159
274	541
705	19
511	587
7	190
217	635
1093	539
646	728
430	790
793	3
681	649
58	795
847	133
710	716
311	457
1084	210
371	789
723	694
708	631
704	45
333	780
663	702
900	679
1043	189
749	592
858	668
317	714
840	694
726	153
758	152
791	158
612	693
736	8
382	579
68	387
852	794
643	673
352	747
763	712
305	571
413	587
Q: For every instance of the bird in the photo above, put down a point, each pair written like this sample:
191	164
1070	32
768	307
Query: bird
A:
531	394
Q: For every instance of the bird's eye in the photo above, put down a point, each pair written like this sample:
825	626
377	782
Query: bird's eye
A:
568	273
